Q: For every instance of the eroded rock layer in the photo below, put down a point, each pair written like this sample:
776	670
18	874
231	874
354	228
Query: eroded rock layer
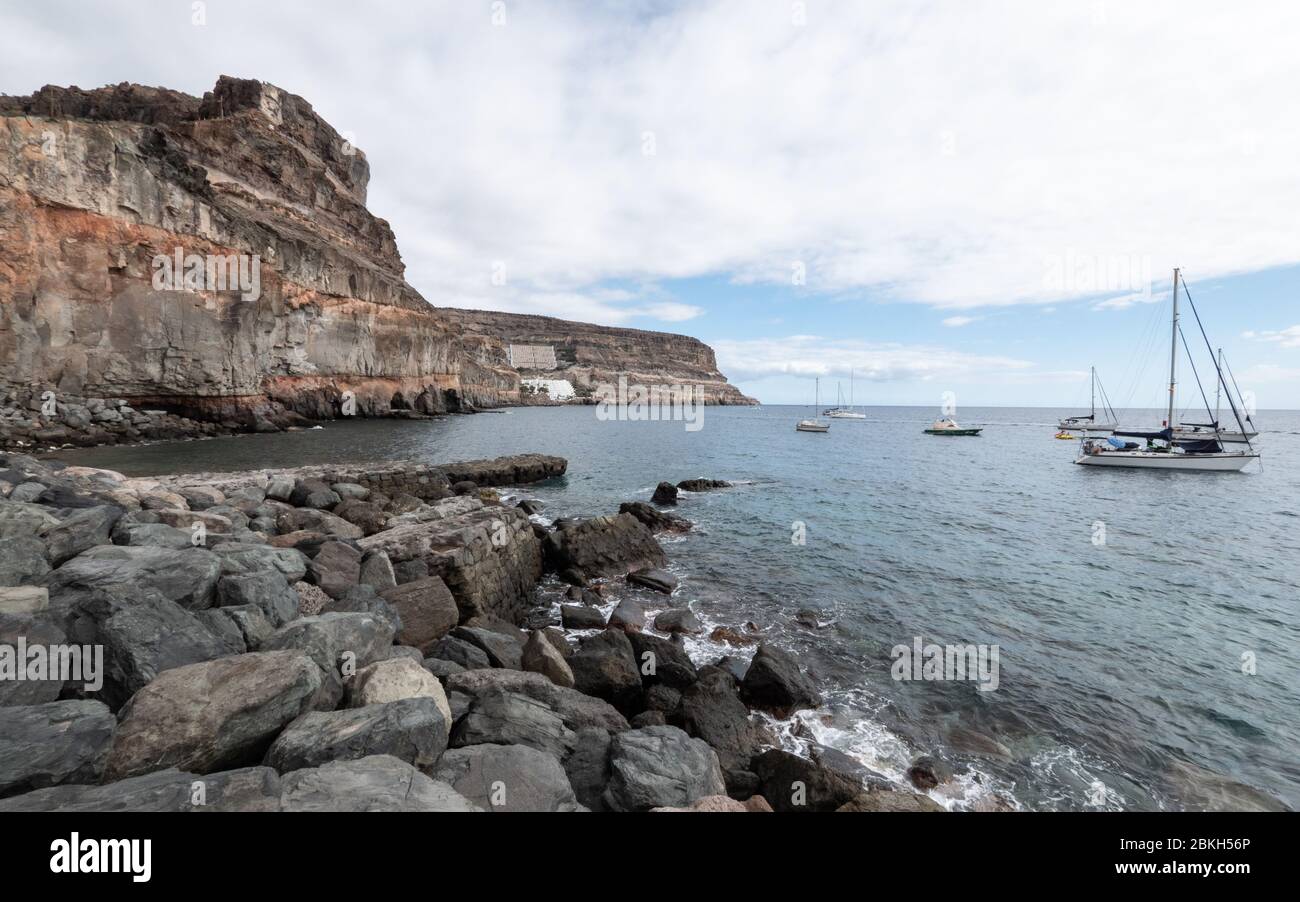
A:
97	187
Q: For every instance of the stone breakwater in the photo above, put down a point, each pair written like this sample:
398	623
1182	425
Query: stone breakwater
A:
388	637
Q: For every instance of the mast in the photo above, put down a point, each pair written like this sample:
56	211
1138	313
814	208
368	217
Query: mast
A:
1173	356
1094	396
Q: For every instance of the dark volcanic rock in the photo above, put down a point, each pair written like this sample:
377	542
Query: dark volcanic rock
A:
677	620
791	783
34	629
927	772
588	766
577	617
655	519
601	547
54	743
187	577
606	668
333	642
711	710
576	709
628	616
540	655
377	783
665	493
661	661
84	529
775	682
658	767
508	778
23	562
143	635
214	715
266	589
411	729
457	651
509	718
501	650
335	568
702	485
658	580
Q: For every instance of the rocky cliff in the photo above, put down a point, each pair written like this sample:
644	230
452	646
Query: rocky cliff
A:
297	306
588	355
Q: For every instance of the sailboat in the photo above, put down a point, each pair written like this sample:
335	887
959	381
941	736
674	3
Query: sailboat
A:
1202	431
1090	422
841	412
1204	454
814	424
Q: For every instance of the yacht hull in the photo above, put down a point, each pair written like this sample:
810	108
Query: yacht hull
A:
1229	462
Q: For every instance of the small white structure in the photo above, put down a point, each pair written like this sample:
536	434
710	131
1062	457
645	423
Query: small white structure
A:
557	389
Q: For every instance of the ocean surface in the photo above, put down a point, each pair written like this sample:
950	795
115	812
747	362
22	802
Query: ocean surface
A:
1129	607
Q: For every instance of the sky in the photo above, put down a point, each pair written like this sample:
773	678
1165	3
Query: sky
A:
983	198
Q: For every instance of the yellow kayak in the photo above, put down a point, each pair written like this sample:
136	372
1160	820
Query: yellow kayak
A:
1065	435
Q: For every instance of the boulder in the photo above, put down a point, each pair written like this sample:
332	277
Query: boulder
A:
658	767
83	529
541	656
350	491
655	519
606	668
253	626
702	485
440	668
313	493
603	547
509	718
501	650
587	766
459	652
335	568
187	577
377	783
890	800
508	778
410	729
335	643
213	715
371	518
244	789
654	579
575	709
677	620
775	683
53	743
23	562
267	590
394	679
712	710
310	520
661	661
628	616
724	803
201	497
927	772
661	697
377	571
239	558
155	535
142	634
530	506
24	599
33	629
280	488
580	617
427	609
792	783
665	493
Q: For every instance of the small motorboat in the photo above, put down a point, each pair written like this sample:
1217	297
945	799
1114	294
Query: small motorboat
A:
948	426
1066	436
812	426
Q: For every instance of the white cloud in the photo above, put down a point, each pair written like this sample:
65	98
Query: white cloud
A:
1287	338
956	322
946	153
812	355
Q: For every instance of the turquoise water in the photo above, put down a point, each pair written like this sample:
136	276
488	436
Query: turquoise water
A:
1118	661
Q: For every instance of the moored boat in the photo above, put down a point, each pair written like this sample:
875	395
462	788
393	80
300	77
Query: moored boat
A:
948	426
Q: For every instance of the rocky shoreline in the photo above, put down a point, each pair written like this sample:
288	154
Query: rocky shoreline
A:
374	638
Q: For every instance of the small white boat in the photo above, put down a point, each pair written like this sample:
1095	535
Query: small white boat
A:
1095	455
948	426
841	412
814	425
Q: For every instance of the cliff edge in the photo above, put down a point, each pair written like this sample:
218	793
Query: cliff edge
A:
214	258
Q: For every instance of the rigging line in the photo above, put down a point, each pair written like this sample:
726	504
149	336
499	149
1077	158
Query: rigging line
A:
1231	403
1197	377
1233	376
1142	352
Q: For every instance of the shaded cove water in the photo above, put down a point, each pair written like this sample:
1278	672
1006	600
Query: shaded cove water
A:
1122	678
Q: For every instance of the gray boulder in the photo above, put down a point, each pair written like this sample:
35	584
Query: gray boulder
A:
23	561
240	558
606	667
661	661
377	571
187	577
508	778
214	715
427	609
656	579
580	617
541	656
587	766
35	629
335	568
377	783
677	620
660	767
574	708
336	643
244	789
411	729
602	547
459	652
509	718
628	616
501	650
54	743
712	710
267	590
775	683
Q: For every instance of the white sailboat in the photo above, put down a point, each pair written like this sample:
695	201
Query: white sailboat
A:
841	412
1089	422
1170	454
814	424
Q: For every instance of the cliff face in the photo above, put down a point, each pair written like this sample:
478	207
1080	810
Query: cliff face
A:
589	355
96	187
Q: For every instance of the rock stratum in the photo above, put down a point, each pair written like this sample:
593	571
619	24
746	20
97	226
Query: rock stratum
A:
96	186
